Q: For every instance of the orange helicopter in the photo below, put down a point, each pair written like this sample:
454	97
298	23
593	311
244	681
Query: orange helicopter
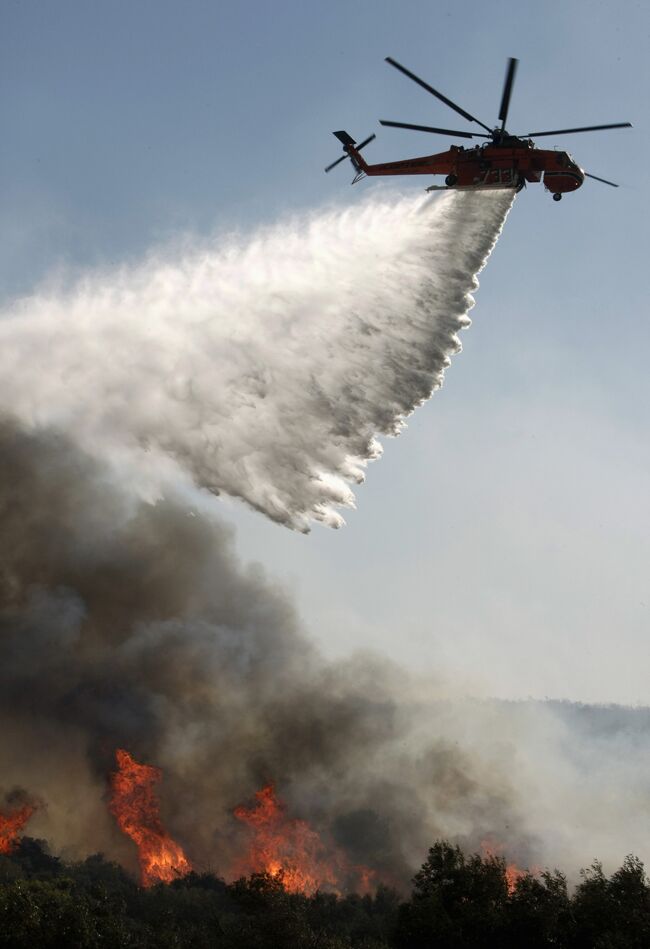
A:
504	161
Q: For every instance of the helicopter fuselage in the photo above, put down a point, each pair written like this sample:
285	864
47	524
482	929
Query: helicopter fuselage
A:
505	164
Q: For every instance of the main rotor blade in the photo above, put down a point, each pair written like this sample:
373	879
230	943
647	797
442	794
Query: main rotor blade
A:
507	91
335	163
434	92
587	128
430	128
604	180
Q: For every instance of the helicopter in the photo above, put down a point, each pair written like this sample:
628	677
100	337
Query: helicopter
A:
503	161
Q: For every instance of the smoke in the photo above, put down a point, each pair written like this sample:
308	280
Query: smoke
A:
131	624
264	371
264	368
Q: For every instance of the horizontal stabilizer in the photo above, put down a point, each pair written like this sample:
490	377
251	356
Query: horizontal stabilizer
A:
344	138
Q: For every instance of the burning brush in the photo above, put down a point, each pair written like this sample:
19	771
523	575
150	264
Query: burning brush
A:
19	808
136	807
492	849
293	852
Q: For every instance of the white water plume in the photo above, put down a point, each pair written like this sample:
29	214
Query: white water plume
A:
265	368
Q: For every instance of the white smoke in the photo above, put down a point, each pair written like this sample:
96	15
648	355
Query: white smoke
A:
264	368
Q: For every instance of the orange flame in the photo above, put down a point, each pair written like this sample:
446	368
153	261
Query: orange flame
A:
513	873
492	848
136	807
11	825
292	851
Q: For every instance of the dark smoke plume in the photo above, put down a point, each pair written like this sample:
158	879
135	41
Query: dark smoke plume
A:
128	624
131	624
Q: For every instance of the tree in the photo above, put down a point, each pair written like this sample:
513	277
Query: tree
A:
614	913
456	902
538	911
50	914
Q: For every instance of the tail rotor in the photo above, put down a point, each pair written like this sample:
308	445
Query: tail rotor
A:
350	149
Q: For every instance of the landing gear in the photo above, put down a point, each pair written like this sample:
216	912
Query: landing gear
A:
557	196
451	180
521	184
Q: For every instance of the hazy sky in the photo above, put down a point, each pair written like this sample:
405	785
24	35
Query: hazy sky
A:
504	538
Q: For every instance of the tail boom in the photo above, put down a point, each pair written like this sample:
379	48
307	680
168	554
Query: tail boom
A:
441	164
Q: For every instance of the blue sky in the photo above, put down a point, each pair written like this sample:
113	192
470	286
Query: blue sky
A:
503	539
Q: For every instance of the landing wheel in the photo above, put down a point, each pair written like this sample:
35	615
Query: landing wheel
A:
557	196
521	184
451	180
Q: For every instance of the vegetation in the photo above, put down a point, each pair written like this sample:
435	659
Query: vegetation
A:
457	902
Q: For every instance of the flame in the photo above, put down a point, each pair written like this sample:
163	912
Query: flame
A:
293	852
136	807
492	848
513	873
12	824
